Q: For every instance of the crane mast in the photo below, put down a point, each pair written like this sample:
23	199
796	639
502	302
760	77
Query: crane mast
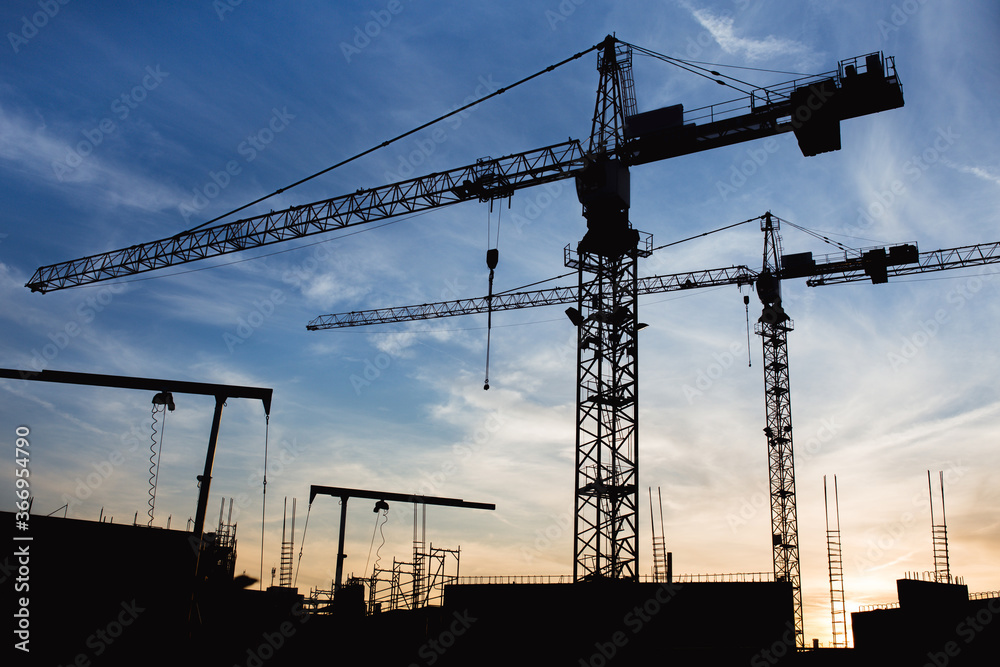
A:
773	327
606	486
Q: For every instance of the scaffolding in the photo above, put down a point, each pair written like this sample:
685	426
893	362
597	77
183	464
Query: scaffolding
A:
225	535
406	585
217	560
416	584
419	538
319	601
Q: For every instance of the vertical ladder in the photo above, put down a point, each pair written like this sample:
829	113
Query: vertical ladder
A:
418	557
287	547
939	536
660	567
659	559
835	562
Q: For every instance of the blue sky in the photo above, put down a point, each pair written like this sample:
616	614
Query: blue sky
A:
120	125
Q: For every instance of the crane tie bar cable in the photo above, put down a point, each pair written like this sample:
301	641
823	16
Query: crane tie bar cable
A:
698	236
498	91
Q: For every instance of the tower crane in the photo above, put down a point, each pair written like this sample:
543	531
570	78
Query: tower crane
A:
875	264
606	516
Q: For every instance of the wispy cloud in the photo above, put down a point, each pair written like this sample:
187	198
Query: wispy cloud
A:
978	172
723	30
29	146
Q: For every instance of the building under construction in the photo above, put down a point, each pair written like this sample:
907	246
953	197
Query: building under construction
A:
104	578
178	593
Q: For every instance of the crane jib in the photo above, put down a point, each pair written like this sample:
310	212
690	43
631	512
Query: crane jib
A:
486	178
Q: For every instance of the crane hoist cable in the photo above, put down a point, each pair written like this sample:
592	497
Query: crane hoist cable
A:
154	454
166	400
752	69
381	512
537	282
263	503
492	258
746	305
302	545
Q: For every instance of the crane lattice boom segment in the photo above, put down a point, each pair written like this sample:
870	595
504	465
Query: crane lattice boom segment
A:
733	275
487	178
830	273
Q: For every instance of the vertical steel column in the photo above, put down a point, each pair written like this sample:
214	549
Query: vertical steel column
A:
205	479
340	545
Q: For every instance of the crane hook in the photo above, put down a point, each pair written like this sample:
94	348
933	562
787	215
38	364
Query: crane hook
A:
746	305
492	258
